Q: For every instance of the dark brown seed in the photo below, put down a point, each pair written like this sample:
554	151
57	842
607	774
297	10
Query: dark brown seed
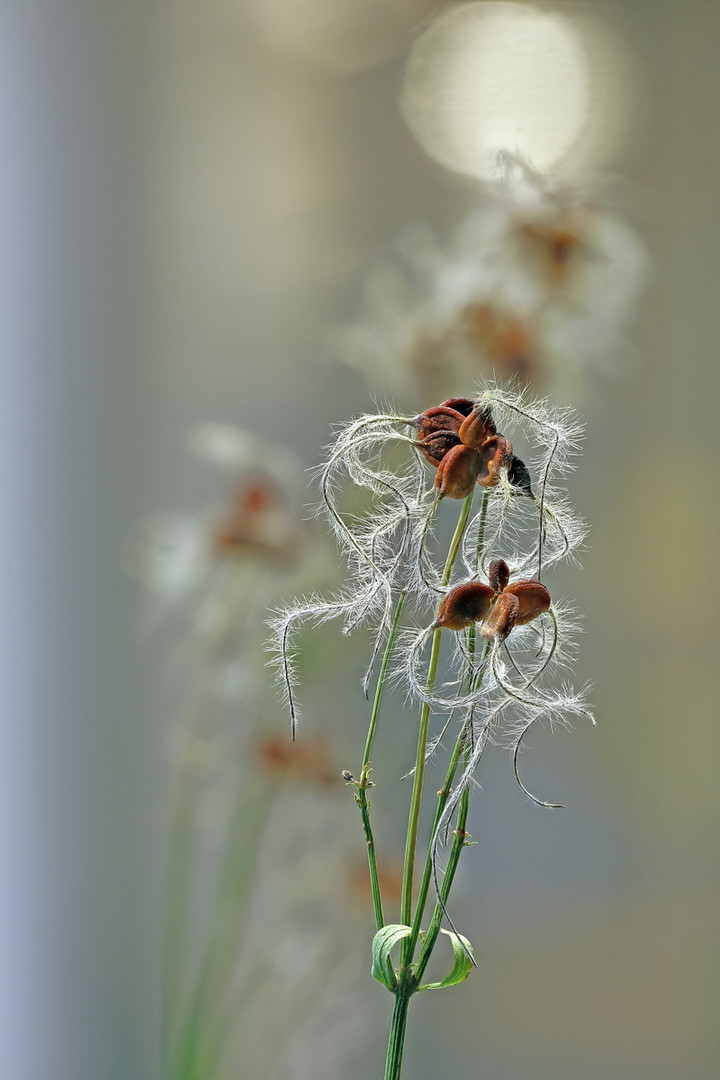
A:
457	472
465	605
533	600
438	418
498	575
502	617
495	455
519	476
478	427
462	405
434	447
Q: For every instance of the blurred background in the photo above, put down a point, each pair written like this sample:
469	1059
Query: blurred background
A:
195	197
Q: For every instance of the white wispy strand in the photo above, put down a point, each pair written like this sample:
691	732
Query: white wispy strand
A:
377	549
480	732
527	705
314	609
555	436
412	647
378	546
387	547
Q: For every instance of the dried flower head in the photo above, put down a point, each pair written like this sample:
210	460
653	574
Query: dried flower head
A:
517	523
216	558
462	442
539	283
498	606
505	634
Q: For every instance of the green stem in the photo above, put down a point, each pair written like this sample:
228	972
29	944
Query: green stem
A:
416	798
200	1034
443	796
364	782
398	1026
186	800
481	527
459	841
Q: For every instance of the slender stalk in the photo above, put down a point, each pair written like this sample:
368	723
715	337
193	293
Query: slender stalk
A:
409	981
396	1042
481	528
443	796
187	796
227	928
419	777
459	842
364	782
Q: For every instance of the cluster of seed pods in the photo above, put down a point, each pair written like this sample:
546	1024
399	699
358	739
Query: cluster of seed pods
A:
460	439
498	607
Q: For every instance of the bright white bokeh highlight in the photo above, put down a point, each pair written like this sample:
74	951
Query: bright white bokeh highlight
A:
488	78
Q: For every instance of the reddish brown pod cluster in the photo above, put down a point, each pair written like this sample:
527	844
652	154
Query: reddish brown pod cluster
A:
498	606
556	244
460	439
256	522
507	341
309	760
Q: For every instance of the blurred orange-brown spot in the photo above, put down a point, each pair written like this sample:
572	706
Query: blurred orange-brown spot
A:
249	524
505	340
390	872
554	244
305	759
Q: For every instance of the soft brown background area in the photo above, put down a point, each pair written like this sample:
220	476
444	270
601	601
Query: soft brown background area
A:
193	203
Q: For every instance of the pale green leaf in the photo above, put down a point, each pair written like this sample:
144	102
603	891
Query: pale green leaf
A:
462	951
383	944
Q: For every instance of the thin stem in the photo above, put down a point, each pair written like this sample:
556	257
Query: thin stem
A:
364	782
481	531
398	1026
443	796
196	747
227	927
418	779
459	842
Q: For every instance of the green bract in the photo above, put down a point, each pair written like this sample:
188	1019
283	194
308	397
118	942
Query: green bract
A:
391	935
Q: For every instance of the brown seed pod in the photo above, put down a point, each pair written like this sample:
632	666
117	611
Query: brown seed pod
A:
458	472
502	617
462	405
495	454
435	446
498	575
533	600
478	427
438	418
464	605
